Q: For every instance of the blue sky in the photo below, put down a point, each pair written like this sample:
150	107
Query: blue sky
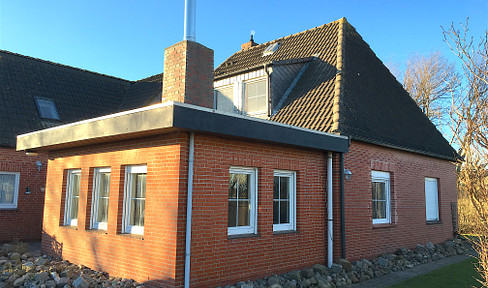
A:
126	39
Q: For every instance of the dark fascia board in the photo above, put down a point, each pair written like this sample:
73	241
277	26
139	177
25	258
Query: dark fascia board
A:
171	116
207	120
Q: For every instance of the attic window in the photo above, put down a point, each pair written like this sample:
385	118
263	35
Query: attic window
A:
47	108
271	49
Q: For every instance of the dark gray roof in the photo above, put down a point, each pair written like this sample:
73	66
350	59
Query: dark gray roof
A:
78	94
346	90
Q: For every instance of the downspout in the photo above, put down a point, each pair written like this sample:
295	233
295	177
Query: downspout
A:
189	207
330	233
343	217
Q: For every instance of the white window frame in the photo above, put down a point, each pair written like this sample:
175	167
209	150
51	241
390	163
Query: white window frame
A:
132	169
436	198
253	187
243	96
95	198
383	177
69	191
16	191
292	201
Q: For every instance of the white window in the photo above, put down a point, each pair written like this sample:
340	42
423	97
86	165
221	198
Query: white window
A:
9	189
284	200
381	197
46	108
101	191
224	99
72	198
134	199
255	100
242	201
431	199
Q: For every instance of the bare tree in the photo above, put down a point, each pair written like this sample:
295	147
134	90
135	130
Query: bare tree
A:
430	80
469	123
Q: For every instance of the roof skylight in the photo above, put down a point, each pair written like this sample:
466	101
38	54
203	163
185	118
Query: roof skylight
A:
271	49
46	108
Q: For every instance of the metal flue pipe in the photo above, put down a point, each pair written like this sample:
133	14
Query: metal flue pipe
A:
190	20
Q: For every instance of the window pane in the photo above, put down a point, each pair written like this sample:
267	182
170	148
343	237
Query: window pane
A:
379	191
284	212
255	96
379	209
137	212
243	188
276	187
74	208
233	186
276	212
225	99
104	184
75	184
284	187
139	186
7	186
232	222
102	213
243	213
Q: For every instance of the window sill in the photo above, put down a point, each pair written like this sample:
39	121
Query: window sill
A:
239	236
433	222
69	227
285	232
97	231
132	236
9	209
384	225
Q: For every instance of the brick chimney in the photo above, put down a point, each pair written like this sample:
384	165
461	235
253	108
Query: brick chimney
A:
249	44
188	74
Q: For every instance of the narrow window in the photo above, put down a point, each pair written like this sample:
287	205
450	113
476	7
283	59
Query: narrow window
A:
101	191
9	189
46	108
242	201
284	201
431	199
135	199
224	99
72	198
255	100
381	197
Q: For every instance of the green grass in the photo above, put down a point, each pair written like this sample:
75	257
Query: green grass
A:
455	275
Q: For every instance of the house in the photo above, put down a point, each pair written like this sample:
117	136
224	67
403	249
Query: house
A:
37	94
240	173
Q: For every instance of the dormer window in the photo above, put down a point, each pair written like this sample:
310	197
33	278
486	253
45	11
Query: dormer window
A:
46	108
255	100
224	98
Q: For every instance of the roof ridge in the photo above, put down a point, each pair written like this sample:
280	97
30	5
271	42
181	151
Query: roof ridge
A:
63	65
284	37
339	87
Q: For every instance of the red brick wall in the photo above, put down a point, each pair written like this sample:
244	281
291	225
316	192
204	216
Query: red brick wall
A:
159	253
216	259
23	223
407	175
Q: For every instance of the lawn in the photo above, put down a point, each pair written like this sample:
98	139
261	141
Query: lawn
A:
455	275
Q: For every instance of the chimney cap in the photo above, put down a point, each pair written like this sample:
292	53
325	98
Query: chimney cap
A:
249	44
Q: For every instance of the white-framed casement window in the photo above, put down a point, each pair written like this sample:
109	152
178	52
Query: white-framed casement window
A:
72	197
381	197
255	96
9	189
431	199
100	196
134	199
243	189
284	197
224	99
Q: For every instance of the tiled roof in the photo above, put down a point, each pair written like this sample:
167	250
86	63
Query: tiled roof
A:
78	94
346	90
